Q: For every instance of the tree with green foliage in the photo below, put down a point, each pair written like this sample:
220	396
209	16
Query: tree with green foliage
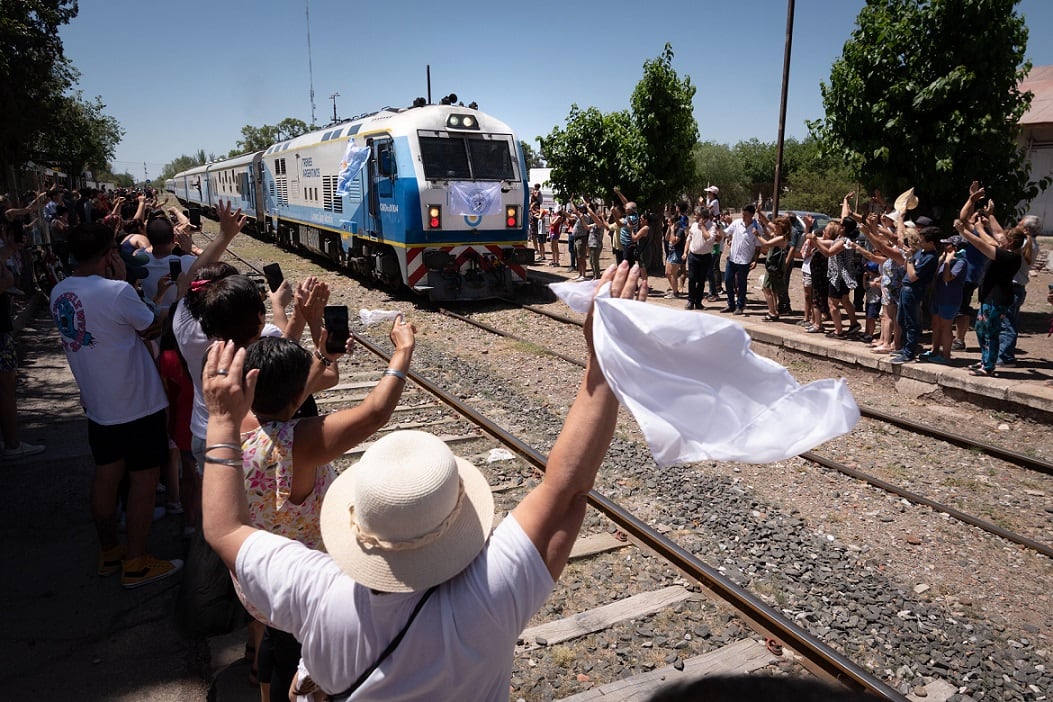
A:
533	158
79	136
718	165
590	155
646	151
258	138
182	163
34	74
926	94
663	113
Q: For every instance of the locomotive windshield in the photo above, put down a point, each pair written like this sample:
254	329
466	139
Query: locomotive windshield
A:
465	158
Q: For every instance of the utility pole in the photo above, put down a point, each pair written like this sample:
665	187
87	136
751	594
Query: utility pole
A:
146	175
787	46
310	68
333	97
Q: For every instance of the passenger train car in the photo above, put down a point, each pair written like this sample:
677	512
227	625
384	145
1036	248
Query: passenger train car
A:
432	197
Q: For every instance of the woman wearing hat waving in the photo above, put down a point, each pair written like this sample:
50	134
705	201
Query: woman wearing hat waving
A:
409	524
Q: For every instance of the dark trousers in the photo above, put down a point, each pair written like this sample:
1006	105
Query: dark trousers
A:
698	269
279	658
735	275
715	277
784	292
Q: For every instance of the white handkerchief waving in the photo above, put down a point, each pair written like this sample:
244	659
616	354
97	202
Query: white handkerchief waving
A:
697	390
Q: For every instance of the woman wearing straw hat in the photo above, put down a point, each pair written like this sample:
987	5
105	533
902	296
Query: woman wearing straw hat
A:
411	563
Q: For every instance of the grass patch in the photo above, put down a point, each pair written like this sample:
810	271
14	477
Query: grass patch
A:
563	656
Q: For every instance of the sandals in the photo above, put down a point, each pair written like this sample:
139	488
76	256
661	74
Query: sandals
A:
814	329
837	335
771	318
984	373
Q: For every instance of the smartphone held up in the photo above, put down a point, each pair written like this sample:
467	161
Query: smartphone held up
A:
336	326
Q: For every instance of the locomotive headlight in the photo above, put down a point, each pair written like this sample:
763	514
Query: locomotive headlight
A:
434	216
457	121
511	216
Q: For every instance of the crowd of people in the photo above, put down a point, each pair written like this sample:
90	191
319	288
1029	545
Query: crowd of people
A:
183	381
871	277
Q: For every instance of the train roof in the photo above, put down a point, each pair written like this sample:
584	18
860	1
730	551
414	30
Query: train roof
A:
387	120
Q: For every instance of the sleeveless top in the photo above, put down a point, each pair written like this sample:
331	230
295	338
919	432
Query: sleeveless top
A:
267	463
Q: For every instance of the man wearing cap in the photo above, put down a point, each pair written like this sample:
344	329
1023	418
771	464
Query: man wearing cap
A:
100	320
411	558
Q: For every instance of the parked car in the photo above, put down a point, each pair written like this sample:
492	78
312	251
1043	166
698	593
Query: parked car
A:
797	219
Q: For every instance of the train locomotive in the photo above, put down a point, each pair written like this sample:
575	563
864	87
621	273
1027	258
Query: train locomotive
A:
430	197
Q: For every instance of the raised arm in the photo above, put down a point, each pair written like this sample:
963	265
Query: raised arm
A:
983	244
320	440
551	515
230	223
225	509
846	207
618	192
975	193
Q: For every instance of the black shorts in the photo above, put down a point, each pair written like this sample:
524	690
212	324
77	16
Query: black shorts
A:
838	289
142	443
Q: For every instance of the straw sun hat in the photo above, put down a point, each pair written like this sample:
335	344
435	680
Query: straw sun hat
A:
408	515
906	201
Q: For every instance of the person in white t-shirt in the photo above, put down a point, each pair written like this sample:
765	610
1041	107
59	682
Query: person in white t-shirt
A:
161	235
407	532
101	321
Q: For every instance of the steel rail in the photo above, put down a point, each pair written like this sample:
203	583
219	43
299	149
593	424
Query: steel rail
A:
1004	454
824	658
914	497
507	335
1007	455
991	528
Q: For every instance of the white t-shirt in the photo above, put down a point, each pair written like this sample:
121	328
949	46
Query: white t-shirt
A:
99	321
193	344
700	238
156	268
460	646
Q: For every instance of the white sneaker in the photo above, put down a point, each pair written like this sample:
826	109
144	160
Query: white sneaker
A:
579	279
23	449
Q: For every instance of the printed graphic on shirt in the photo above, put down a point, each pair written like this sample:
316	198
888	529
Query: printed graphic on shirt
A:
69	317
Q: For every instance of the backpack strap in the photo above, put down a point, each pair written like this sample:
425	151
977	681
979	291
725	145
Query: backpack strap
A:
342	697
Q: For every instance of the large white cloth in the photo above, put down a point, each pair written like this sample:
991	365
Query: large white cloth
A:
697	390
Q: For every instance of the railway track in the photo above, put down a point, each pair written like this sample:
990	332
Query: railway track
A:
817	655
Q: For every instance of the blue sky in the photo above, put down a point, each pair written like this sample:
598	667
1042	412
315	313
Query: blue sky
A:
188	75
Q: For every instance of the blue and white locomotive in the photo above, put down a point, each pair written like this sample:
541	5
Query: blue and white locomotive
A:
432	197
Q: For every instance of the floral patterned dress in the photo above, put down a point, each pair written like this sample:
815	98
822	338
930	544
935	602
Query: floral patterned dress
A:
267	455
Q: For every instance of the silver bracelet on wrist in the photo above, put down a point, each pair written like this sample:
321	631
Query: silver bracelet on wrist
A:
232	447
325	361
397	373
235	462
